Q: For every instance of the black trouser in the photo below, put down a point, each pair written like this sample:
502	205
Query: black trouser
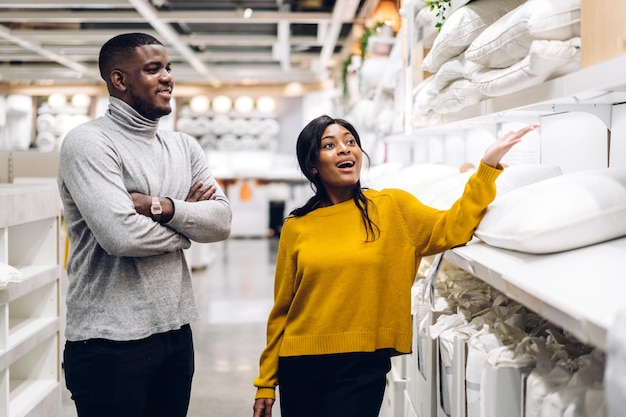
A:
338	385
150	377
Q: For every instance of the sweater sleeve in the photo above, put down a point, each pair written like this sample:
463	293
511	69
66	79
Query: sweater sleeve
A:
433	231
283	296
202	221
91	179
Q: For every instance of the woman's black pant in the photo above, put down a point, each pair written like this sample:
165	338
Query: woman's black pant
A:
337	385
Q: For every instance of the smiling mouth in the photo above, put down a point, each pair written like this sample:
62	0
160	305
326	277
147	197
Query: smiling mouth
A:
346	164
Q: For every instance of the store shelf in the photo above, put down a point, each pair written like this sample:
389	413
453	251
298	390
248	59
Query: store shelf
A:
29	309
588	90
579	290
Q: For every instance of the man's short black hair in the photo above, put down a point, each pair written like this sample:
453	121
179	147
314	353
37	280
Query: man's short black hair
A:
121	46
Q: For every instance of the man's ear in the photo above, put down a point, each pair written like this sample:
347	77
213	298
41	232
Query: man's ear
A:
117	80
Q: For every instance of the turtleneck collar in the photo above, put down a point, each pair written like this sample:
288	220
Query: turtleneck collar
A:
124	115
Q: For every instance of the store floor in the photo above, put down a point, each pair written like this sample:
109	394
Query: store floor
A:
234	294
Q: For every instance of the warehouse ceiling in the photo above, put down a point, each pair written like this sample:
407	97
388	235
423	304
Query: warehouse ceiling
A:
212	42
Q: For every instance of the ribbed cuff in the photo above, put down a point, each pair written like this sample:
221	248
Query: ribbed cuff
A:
488	173
265	393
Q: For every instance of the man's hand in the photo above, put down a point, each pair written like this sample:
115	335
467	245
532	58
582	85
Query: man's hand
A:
198	192
201	192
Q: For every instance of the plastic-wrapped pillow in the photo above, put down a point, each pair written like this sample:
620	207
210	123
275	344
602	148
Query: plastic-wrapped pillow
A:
9	274
546	60
561	213
455	97
454	69
508	40
462	27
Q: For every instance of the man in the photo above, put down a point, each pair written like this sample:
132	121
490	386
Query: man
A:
134	197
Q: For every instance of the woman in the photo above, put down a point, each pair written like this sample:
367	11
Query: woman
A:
346	262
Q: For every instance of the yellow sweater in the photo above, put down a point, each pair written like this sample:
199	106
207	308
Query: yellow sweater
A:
336	293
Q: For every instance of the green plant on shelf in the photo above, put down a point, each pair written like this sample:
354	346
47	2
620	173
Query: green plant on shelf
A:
367	34
363	41
440	6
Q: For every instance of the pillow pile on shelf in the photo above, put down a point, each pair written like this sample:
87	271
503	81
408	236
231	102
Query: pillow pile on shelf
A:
488	344
489	48
8	274
230	132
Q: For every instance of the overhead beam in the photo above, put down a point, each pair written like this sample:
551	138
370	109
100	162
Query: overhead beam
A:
81	70
148	12
344	11
107	16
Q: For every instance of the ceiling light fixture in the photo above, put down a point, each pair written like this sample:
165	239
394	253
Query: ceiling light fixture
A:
57	100
294	89
199	104
266	105
387	13
247	13
222	104
244	104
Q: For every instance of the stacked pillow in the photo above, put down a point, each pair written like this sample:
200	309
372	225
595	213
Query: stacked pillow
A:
463	26
508	40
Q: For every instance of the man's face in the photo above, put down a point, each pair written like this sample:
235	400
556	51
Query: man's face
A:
148	81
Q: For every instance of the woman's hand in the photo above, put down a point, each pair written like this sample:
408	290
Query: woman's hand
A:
495	152
263	407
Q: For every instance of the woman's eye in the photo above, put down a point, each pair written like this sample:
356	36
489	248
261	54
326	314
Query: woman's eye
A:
328	145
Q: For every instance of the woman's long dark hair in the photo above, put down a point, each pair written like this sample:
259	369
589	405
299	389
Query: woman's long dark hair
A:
307	149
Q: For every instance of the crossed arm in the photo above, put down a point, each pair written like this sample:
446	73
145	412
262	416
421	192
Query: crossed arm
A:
198	192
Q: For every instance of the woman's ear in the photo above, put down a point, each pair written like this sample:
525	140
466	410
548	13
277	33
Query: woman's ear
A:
314	171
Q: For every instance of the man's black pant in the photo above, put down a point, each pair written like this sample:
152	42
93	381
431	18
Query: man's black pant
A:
150	377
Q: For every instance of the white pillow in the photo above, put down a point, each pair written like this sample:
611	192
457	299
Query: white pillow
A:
9	274
546	60
517	176
443	194
463	26
454	69
561	213
508	40
415	177
458	95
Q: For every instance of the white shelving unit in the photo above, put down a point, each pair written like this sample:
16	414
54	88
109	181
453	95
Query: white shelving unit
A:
578	289
29	309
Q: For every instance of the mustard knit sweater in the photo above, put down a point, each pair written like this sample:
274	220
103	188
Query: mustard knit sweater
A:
335	293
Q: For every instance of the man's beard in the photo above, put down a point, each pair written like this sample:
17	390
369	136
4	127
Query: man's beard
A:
148	109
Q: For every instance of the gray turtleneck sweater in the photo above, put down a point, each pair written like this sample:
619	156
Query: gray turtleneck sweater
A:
128	277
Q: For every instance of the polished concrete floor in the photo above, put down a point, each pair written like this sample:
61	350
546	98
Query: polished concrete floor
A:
234	294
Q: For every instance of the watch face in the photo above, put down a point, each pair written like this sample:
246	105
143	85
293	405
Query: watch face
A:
156	208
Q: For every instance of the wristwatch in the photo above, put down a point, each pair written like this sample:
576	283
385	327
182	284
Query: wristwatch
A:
156	209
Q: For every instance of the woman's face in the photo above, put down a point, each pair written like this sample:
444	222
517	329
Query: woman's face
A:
339	160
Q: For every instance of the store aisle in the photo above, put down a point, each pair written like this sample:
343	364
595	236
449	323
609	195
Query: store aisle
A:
234	295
